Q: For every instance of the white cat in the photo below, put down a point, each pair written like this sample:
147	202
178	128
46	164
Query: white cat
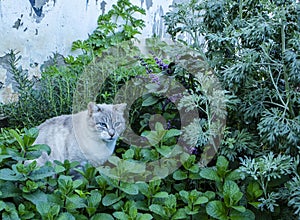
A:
88	136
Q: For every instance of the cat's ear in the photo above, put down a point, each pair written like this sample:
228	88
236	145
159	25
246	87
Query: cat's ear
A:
120	107
92	108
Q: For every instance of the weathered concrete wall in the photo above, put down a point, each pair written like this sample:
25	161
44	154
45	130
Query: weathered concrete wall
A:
39	28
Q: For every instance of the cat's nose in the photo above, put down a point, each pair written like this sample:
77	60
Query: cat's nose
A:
111	132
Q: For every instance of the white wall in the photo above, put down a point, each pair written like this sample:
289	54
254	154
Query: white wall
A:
54	25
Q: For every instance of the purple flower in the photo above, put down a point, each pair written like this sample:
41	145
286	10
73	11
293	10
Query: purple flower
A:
175	97
192	150
154	78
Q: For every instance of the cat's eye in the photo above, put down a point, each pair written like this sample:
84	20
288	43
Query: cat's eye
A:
117	124
102	124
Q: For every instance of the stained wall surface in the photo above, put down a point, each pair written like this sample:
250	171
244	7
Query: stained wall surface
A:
39	28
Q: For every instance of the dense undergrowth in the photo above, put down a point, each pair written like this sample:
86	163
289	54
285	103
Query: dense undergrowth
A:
252	47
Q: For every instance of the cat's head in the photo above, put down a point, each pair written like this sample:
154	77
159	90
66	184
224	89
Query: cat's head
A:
107	120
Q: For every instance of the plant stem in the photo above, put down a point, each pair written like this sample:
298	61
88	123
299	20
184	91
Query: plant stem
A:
286	78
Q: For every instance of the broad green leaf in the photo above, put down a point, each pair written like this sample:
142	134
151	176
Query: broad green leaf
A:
110	199
201	200
10	175
30	136
209	194
149	101
180	214
161	195
66	216
232	193
74	202
95	198
40	147
2	205
234	175
46	209
129	154
217	209
129	188
210	173
180	175
254	191
42	173
3	157
19	139
144	217
120	215
132	166
102	216
172	133
8	189
158	209
37	197
239	208
236	215
222	165
114	160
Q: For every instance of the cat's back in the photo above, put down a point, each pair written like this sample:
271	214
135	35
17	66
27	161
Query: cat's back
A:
55	128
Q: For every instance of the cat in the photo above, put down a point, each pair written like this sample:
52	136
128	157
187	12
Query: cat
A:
87	136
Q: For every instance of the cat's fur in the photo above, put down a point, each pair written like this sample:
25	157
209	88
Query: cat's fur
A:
88	136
